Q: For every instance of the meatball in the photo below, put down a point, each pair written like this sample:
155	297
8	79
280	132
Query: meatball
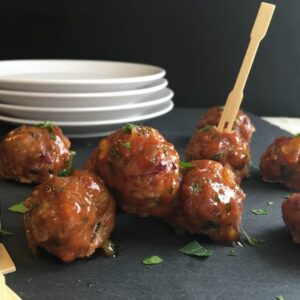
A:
226	147
69	217
291	215
34	154
212	202
281	162
242	124
142	167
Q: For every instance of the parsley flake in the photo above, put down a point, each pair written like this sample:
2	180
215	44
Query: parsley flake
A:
195	249
127	145
205	128
128	128
250	240
49	126
196	187
5	233
18	208
185	165
231	252
260	212
280	297
69	166
152	260
218	156
296	135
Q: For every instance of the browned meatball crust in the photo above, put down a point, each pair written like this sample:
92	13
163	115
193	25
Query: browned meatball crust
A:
242	124
212	202
69	217
281	162
142	167
291	215
33	154
228	148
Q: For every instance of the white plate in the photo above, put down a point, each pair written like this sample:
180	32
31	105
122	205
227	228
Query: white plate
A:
82	114
71	76
81	99
96	128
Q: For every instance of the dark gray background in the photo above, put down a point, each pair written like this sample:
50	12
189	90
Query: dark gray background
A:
199	42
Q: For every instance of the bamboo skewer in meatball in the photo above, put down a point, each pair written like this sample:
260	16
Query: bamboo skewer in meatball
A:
281	162
291	215
70	217
142	167
212	202
34	154
227	148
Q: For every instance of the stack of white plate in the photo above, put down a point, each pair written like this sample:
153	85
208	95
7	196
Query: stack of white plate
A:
85	98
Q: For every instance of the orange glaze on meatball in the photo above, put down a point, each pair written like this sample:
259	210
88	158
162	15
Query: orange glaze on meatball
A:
242	124
142	167
281	162
33	154
69	217
226	147
291	215
212	202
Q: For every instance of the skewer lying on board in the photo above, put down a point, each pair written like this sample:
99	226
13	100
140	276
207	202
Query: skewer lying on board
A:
235	97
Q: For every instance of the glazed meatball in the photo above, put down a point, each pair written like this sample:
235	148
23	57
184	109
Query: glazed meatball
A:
242	124
291	215
227	148
212	202
281	162
142	167
69	217
34	154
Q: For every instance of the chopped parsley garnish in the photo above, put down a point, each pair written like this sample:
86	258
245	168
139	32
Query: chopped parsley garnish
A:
152	260
185	165
49	126
280	297
69	166
218	156
18	208
196	187
115	154
250	240
205	128
270	203
128	128
195	249
127	145
179	231
231	252
5	233
261	212
296	135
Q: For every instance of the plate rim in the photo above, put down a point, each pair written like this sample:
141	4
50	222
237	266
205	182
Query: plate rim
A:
157	100
168	108
144	78
147	90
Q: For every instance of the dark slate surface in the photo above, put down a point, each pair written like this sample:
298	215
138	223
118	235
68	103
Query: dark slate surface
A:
262	272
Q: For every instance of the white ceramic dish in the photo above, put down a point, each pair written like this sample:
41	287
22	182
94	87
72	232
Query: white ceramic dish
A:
81	99
96	128
72	76
82	114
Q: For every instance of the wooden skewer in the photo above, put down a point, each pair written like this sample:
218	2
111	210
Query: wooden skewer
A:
6	263
235	97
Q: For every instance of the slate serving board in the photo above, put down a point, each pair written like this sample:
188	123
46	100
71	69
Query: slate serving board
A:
262	272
